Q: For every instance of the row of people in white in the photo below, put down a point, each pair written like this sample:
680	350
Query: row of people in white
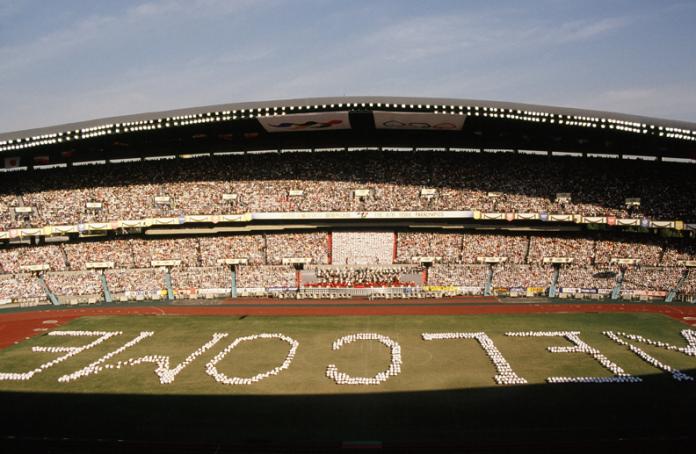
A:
505	374
343	378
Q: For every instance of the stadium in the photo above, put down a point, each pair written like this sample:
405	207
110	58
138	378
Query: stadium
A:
528	270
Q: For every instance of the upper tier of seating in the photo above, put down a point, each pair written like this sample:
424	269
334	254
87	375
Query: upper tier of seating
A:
384	181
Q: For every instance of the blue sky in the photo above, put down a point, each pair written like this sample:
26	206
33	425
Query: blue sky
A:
63	60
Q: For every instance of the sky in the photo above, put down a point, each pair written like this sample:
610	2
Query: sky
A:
68	60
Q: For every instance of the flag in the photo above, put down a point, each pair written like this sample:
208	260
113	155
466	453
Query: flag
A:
41	160
12	162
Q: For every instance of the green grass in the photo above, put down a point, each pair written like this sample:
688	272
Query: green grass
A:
445	391
427	365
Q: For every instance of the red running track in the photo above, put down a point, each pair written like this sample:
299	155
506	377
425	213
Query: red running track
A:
18	326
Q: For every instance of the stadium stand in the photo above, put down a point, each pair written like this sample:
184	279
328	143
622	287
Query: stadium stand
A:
328	182
455	261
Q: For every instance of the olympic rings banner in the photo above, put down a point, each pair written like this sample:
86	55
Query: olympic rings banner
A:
424	121
305	122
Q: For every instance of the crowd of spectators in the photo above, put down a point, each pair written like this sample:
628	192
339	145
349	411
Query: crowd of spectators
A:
74	283
524	266
458	275
328	181
250	247
659	279
679	250
475	245
281	246
148	280
580	249
647	251
201	278
577	276
461	248
689	285
447	246
514	275
20	286
183	249
266	276
12	259
117	251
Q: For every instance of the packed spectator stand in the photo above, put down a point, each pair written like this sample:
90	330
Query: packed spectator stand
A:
375	181
327	182
200	263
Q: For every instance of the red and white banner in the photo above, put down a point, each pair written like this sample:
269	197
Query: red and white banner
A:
415	120
41	160
306	122
12	162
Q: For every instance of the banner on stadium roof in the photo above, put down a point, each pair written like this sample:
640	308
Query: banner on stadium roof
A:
627	221
5	301
679	225
526	216
424	121
560	217
569	290
323	121
535	290
689	226
494	216
611	220
12	162
4	235
687	263
363	215
662	224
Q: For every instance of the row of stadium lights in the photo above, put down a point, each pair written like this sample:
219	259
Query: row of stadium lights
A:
212	117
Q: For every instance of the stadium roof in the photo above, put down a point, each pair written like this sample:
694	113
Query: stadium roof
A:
346	122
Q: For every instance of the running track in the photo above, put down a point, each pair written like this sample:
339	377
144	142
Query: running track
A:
18	326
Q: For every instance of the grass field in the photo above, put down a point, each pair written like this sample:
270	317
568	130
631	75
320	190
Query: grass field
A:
445	391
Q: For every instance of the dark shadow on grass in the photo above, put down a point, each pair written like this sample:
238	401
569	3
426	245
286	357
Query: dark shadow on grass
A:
651	415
